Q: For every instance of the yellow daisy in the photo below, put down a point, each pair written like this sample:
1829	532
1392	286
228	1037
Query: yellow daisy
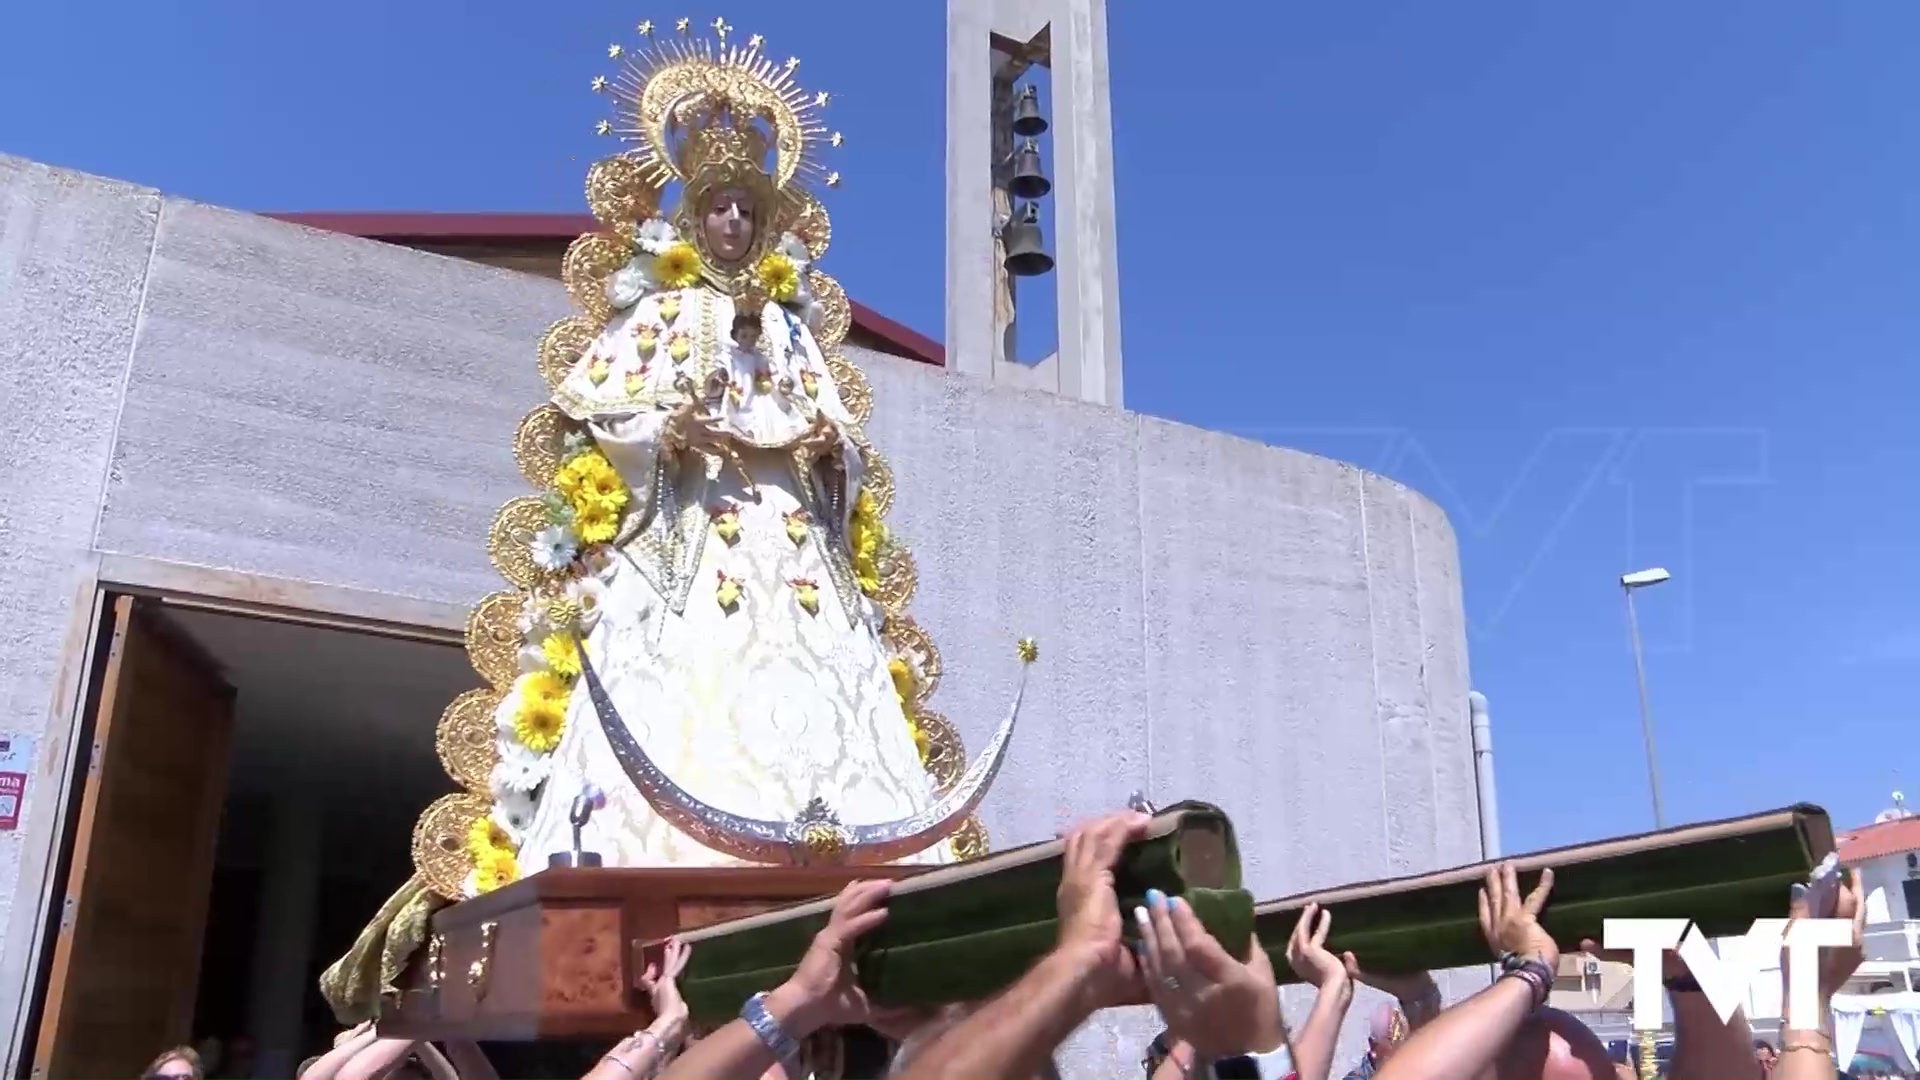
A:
496	871
605	485
678	267
486	838
538	725
779	277
547	688
568	478
560	654
902	673
596	521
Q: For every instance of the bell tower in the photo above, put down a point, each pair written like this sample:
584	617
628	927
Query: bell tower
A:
1002	205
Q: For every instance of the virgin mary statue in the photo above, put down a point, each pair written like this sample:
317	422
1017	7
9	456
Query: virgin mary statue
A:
706	659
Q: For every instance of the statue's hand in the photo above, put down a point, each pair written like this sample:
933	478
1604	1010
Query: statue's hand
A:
691	427
822	437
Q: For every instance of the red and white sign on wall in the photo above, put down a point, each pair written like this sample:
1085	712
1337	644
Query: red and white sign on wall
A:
16	761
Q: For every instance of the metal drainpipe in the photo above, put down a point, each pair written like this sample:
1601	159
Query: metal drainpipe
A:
1483	776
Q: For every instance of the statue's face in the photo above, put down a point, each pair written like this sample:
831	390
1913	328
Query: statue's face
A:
729	223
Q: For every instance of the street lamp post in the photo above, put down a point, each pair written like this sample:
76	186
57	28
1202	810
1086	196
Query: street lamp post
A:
1641	579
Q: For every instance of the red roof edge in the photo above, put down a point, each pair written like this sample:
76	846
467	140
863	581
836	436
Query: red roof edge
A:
1880	838
414	228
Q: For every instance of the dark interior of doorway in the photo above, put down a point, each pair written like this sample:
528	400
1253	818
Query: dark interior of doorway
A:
332	723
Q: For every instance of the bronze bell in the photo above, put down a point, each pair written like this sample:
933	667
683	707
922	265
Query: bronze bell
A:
1026	251
1027	121
1029	175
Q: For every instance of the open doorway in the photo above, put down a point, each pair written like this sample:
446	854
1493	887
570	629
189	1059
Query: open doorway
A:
248	803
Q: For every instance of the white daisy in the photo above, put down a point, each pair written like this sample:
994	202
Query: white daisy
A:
554	547
655	236
516	777
590	594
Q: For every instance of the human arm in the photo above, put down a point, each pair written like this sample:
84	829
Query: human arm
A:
327	1066
376	1059
1703	1044
644	1052
822	992
1090	968
1464	1040
1307	955
1807	1053
1417	995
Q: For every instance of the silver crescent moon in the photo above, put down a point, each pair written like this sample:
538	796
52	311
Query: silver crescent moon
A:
816	835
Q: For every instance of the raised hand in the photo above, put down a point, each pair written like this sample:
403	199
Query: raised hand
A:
662	982
1307	951
830	993
1836	965
1511	923
1222	1006
1089	909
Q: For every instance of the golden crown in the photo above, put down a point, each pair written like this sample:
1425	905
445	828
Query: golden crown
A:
702	107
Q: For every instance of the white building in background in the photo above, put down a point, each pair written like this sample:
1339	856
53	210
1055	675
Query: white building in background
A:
1887	854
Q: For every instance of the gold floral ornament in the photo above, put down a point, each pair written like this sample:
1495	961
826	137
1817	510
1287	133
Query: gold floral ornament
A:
465	739
970	841
440	852
564	343
912	643
540	443
726	524
944	757
808	220
620	191
589	262
899	578
493	638
509	542
855	392
878	479
836	314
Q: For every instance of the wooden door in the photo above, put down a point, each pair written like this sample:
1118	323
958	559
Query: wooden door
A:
126	961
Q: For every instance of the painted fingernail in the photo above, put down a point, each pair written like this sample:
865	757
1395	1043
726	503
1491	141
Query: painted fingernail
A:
1173	904
1156	899
1140	916
1796	891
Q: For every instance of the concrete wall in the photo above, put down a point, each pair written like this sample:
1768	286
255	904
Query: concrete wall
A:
1275	632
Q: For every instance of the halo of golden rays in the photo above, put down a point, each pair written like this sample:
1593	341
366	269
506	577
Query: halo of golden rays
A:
668	71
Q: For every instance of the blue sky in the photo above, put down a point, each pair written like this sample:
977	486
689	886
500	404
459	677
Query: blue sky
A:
1618	284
